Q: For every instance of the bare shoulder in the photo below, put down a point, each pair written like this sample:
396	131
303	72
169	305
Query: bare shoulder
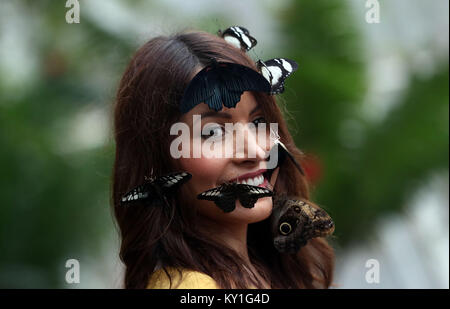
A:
180	279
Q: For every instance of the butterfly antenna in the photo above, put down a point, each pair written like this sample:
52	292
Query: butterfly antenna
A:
256	55
219	32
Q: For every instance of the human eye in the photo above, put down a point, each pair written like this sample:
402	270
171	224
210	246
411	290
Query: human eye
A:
214	131
259	120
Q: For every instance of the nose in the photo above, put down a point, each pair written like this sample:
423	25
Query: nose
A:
251	146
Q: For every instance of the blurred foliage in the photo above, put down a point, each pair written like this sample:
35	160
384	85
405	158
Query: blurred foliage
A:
368	169
55	197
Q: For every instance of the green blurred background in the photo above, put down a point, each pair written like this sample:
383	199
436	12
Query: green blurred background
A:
369	106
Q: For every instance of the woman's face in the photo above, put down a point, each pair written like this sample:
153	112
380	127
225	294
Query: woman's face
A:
241	158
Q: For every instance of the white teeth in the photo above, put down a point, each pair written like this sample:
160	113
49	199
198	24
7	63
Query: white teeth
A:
260	180
255	181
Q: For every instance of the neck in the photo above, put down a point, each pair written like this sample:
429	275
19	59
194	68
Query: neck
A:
232	235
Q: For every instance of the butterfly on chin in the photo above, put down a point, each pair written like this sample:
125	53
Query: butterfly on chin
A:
295	222
156	190
225	196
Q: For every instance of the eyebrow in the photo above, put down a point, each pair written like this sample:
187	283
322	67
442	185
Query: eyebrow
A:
224	114
215	114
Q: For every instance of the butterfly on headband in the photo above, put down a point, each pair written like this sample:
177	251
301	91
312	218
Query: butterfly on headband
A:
276	71
222	84
239	37
156	189
226	195
296	223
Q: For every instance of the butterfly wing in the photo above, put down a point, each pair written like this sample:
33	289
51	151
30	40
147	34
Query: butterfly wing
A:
321	224
140	193
152	190
239	37
276	71
224	197
169	183
222	83
264	69
298	222
204	87
280	152
283	152
248	194
236	79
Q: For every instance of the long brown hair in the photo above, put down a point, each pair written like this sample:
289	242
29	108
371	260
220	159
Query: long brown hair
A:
146	106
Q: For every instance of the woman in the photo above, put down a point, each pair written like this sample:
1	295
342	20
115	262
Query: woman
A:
191	243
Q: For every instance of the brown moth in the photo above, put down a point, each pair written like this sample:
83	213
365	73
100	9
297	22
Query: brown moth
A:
294	222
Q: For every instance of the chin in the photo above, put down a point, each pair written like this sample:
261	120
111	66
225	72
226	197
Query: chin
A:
261	211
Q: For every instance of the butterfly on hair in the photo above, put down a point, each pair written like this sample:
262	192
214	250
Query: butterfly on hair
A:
225	196
295	222
276	71
239	37
221	84
156	189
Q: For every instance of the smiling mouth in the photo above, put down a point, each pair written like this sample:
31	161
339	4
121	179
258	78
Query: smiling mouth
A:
261	179
253	181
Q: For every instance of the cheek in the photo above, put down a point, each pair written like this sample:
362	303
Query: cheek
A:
206	173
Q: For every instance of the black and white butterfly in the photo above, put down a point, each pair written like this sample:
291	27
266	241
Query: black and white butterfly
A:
295	221
280	150
226	195
276	71
239	37
156	189
222	84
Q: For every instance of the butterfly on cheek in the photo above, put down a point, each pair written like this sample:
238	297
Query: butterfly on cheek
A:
225	196
294	222
156	190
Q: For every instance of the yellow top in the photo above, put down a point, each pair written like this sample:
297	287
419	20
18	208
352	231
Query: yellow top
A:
189	280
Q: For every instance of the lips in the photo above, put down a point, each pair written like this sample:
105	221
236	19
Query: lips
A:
259	178
247	176
253	181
